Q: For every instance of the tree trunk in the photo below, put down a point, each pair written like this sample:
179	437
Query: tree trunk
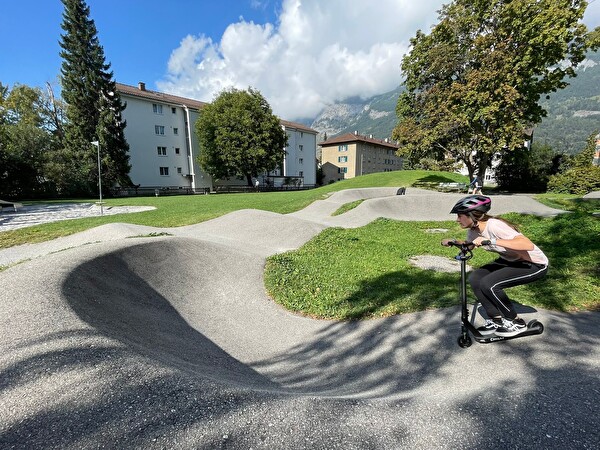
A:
482	165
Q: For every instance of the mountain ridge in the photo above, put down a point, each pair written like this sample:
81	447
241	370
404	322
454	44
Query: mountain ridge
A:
573	113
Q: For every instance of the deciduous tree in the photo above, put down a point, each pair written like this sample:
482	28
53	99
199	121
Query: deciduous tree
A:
25	143
239	135
474	83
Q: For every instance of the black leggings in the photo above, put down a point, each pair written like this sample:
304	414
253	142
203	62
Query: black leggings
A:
489	281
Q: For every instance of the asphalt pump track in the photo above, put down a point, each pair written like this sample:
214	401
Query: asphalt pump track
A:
113	338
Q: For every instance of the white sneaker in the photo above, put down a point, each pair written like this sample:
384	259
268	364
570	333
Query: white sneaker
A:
489	327
511	327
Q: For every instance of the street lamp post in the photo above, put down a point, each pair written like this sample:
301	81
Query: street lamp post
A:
97	144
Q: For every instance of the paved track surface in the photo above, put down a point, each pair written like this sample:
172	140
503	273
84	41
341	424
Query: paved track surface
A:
171	342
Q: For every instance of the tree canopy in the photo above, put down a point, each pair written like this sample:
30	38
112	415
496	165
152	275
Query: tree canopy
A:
239	136
474	83
30	127
578	175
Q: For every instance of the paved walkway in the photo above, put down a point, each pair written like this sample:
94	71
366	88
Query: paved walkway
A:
29	215
171	342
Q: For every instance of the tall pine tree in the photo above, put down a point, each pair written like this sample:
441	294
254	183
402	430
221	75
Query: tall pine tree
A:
93	109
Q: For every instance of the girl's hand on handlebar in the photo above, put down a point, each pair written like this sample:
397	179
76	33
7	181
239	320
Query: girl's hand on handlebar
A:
479	241
448	242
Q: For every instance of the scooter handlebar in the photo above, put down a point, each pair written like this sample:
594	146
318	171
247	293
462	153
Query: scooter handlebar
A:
452	243
464	244
465	248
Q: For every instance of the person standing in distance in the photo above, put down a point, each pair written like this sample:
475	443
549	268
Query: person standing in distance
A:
520	262
474	186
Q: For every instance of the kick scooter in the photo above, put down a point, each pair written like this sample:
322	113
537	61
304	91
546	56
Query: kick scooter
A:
467	328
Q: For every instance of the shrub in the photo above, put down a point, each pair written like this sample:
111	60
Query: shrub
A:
578	180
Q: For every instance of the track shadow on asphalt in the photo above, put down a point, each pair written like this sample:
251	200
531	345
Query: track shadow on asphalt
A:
124	296
534	392
111	297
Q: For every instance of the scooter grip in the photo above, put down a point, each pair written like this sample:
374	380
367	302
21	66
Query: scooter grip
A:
486	242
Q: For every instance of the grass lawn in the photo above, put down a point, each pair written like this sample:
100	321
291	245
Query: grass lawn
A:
175	211
364	272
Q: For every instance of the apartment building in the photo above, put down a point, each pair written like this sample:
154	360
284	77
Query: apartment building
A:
164	149
352	154
300	161
162	143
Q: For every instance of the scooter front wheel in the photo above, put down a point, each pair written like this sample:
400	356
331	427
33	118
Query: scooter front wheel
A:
536	326
464	341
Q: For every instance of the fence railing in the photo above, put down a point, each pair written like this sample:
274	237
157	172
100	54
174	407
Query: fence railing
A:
163	191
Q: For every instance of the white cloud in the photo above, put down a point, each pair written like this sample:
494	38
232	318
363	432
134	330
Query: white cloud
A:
319	52
592	14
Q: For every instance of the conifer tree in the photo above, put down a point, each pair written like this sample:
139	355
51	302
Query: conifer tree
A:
93	108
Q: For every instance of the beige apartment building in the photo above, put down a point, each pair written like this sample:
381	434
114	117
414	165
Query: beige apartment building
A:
351	155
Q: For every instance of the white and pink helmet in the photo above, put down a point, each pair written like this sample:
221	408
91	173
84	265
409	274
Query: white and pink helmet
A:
472	203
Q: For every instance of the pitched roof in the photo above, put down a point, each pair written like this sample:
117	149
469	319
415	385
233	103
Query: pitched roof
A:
297	126
142	92
352	137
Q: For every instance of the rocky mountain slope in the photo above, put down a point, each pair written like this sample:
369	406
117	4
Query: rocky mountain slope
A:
573	113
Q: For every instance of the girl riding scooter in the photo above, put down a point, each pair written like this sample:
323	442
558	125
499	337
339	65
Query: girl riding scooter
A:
520	262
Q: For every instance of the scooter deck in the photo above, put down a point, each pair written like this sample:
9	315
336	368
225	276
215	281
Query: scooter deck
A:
533	327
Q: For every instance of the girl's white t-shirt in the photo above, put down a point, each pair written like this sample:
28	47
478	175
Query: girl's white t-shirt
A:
498	229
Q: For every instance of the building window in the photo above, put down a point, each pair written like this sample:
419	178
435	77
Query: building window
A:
342	159
343	148
301	136
300	160
300	147
162	151
174	110
177	150
156	108
164	171
179	170
301	174
159	129
175	131
342	170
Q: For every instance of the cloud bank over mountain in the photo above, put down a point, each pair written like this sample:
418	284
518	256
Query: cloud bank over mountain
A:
317	53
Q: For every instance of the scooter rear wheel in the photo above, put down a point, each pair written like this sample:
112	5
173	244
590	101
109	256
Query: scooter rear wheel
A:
464	341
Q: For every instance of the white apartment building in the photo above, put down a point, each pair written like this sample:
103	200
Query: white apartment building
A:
163	146
301	153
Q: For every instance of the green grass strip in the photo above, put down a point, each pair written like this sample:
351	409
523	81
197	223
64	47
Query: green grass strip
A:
347	207
362	273
175	211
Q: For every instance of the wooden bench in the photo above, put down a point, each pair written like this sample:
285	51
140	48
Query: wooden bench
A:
5	204
452	187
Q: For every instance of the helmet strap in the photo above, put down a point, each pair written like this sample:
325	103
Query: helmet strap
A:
474	220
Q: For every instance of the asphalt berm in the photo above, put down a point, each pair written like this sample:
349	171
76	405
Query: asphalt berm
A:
171	342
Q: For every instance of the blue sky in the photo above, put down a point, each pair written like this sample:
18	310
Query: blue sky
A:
301	54
138	36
